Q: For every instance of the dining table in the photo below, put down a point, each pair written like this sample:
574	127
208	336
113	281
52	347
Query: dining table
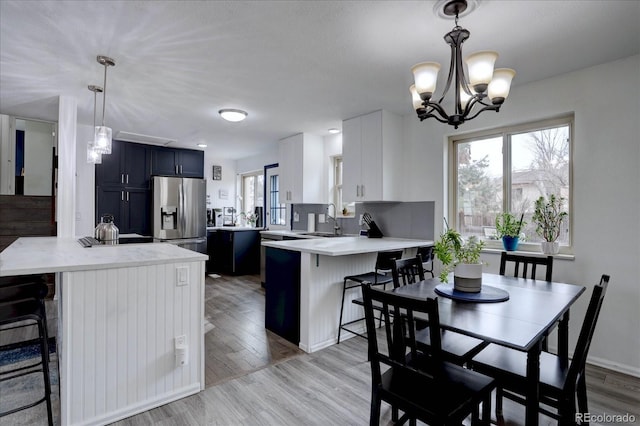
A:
521	322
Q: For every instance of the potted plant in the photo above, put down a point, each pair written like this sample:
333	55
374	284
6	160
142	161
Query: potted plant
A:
462	257
548	216
508	228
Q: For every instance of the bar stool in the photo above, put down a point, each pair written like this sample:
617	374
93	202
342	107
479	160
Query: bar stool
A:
379	276
21	305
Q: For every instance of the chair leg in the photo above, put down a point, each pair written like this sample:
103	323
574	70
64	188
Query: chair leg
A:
582	394
374	419
44	352
344	289
499	402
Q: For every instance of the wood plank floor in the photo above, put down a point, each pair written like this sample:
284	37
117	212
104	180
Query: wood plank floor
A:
254	377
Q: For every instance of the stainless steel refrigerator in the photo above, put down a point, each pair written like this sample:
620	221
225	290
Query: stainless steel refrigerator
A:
179	213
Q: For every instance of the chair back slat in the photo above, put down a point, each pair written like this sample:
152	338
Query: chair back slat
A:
407	271
581	351
526	262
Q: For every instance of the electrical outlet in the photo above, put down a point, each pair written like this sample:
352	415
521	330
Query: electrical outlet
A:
321	218
361	220
296	217
181	341
182	275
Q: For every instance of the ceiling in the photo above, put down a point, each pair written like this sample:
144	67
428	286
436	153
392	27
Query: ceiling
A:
294	66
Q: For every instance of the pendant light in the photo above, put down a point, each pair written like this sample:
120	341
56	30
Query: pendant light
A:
93	156
483	89
102	139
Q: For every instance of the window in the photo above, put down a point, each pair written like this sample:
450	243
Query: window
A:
507	170
337	188
276	210
252	192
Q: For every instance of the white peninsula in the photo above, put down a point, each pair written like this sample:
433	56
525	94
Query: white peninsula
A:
120	310
303	284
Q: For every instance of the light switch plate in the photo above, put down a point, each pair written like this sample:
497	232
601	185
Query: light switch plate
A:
321	218
182	275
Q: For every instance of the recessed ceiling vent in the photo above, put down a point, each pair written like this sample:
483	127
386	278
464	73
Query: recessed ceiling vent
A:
136	137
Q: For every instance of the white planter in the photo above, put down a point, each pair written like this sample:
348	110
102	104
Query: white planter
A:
467	277
552	247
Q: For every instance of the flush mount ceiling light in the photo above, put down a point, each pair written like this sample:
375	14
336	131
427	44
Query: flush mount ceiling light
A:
470	94
233	115
202	145
94	157
102	139
334	131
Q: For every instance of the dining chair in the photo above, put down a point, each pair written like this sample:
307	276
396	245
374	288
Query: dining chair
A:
427	254
421	385
22	304
379	276
561	382
523	264
528	264
456	347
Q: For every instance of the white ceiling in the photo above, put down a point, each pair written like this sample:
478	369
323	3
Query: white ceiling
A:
294	66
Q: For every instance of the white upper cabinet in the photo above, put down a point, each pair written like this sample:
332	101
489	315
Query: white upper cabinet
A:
371	155
300	168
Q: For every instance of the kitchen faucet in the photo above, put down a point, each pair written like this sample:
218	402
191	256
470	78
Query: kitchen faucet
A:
336	227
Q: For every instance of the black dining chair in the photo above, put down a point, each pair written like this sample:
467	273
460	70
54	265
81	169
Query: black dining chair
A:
21	305
560	381
379	276
421	385
526	266
456	347
427	255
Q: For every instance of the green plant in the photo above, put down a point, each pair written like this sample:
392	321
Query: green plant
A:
507	225
548	216
451	249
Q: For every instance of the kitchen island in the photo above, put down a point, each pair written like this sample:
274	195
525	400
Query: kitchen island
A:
303	284
120	310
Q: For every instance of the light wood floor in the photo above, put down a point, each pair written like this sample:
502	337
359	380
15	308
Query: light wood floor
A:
254	377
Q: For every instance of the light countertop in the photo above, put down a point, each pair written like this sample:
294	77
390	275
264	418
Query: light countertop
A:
341	246
233	228
37	255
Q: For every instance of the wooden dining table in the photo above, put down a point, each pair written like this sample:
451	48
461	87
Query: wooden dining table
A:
521	322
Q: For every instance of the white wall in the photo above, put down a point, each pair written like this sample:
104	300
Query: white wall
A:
606	180
85	184
332	148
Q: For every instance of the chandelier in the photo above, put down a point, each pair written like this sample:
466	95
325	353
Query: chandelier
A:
485	89
93	156
102	139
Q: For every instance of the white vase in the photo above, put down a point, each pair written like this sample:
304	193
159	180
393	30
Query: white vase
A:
550	247
467	277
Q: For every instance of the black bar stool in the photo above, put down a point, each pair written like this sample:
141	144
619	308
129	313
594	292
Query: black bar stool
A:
21	305
380	276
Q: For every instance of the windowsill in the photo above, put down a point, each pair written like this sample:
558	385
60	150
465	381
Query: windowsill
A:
559	256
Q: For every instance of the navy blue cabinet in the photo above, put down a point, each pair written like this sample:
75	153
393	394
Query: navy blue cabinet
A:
235	252
282	293
177	162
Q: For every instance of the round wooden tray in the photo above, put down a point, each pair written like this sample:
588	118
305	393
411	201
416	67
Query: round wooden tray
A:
487	294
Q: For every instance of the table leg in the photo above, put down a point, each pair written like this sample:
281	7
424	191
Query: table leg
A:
533	380
563	337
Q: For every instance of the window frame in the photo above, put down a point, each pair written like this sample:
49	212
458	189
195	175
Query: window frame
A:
506	133
256	187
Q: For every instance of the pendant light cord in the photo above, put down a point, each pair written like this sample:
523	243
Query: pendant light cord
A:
104	95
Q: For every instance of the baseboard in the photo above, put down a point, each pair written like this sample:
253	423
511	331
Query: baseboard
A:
620	368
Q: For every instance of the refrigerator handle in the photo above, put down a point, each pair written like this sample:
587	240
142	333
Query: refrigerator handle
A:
181	208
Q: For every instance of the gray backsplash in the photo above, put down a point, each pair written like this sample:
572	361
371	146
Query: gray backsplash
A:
399	220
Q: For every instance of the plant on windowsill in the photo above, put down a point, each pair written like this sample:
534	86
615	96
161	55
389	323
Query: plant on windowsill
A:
462	257
508	229
548	216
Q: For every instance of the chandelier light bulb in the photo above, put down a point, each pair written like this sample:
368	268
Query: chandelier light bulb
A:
500	85
102	140
480	67
415	97
92	156
425	75
464	98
